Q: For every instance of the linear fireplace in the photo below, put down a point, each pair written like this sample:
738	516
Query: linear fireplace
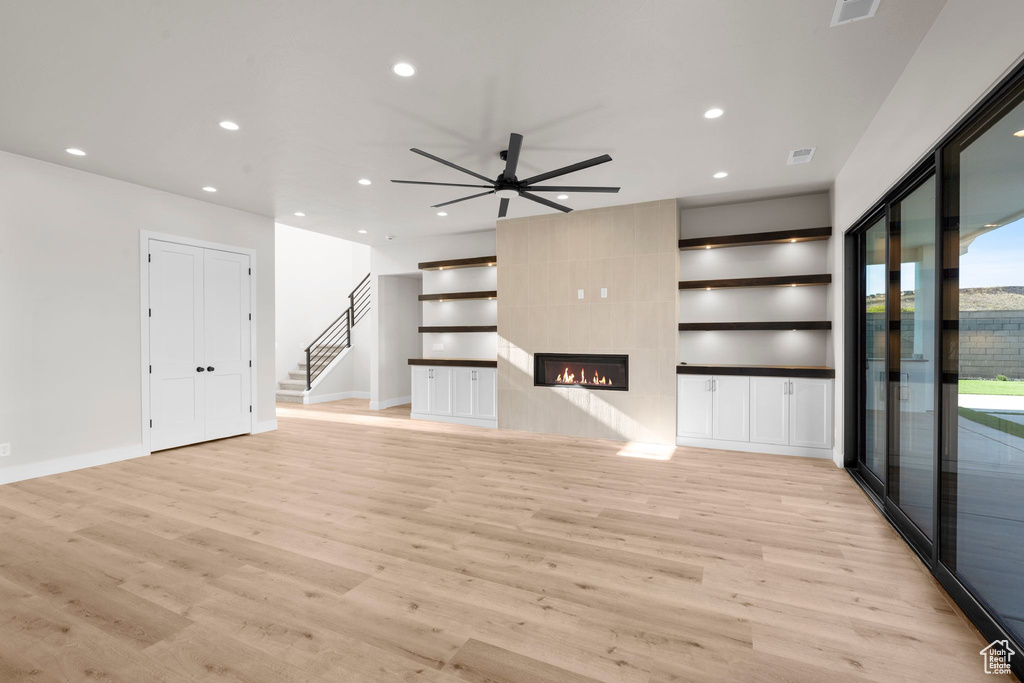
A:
583	370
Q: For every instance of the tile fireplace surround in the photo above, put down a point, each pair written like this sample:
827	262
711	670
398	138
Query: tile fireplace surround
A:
543	262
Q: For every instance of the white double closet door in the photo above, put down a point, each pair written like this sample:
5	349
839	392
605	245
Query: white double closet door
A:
199	343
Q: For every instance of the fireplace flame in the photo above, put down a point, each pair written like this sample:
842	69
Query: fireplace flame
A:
567	377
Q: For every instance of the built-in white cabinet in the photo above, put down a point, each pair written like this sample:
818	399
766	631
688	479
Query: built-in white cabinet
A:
432	390
466	395
694	406
731	413
810	413
769	410
791	416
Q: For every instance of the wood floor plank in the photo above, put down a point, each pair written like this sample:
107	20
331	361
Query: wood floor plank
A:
359	545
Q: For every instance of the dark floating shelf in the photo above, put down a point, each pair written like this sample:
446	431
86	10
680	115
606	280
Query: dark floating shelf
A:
459	328
778	281
458	362
474	262
806	371
792	325
755	238
459	296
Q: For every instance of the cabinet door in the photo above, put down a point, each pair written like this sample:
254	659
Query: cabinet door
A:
485	398
463	381
810	413
693	406
420	389
441	391
769	410
731	408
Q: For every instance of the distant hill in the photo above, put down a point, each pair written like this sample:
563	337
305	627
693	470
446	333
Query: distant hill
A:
972	299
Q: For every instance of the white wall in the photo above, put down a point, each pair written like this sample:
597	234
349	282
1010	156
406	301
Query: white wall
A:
315	273
70	384
767	304
398	339
968	49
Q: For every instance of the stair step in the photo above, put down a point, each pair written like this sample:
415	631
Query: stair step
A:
288	396
293	384
298	374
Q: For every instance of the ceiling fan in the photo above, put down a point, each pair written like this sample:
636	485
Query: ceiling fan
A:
507	185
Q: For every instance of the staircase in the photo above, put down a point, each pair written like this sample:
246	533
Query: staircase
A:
328	346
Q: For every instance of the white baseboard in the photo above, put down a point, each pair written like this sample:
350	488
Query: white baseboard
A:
469	421
264	426
69	463
390	403
838	458
339	396
750	447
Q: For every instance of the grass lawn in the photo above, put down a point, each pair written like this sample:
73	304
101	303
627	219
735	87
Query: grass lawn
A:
991	387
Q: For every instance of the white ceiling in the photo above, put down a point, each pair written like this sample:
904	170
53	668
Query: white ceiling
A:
141	86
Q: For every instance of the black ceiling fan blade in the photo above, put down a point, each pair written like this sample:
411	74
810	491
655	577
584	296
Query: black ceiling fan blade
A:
515	145
604	158
545	202
570	188
503	208
451	165
423	182
456	201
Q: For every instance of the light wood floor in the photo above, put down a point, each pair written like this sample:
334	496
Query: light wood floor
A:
353	545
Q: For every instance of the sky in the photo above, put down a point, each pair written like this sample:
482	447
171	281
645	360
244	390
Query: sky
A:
995	259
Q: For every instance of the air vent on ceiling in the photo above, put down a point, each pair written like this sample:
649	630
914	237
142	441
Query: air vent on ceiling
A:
853	10
801	156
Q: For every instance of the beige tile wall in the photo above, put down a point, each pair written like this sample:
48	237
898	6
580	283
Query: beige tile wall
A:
542	261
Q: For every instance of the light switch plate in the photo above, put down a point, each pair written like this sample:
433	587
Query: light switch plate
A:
5	450
604	292
579	293
439	347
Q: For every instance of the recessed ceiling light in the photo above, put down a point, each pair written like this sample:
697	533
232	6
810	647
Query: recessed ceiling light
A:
1019	134
75	151
229	125
209	189
404	69
713	113
720	175
442	213
563	196
364	181
299	214
361	232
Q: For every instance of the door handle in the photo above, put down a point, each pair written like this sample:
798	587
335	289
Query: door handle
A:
209	368
200	369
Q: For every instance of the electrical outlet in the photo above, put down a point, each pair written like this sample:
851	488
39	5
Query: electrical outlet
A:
5	450
579	293
604	292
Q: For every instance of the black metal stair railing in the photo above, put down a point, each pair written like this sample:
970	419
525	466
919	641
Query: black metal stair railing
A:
338	336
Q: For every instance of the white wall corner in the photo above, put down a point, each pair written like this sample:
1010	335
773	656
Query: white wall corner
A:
390	403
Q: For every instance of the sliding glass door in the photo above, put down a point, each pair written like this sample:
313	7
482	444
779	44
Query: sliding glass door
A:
912	356
935	306
874	248
983	315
